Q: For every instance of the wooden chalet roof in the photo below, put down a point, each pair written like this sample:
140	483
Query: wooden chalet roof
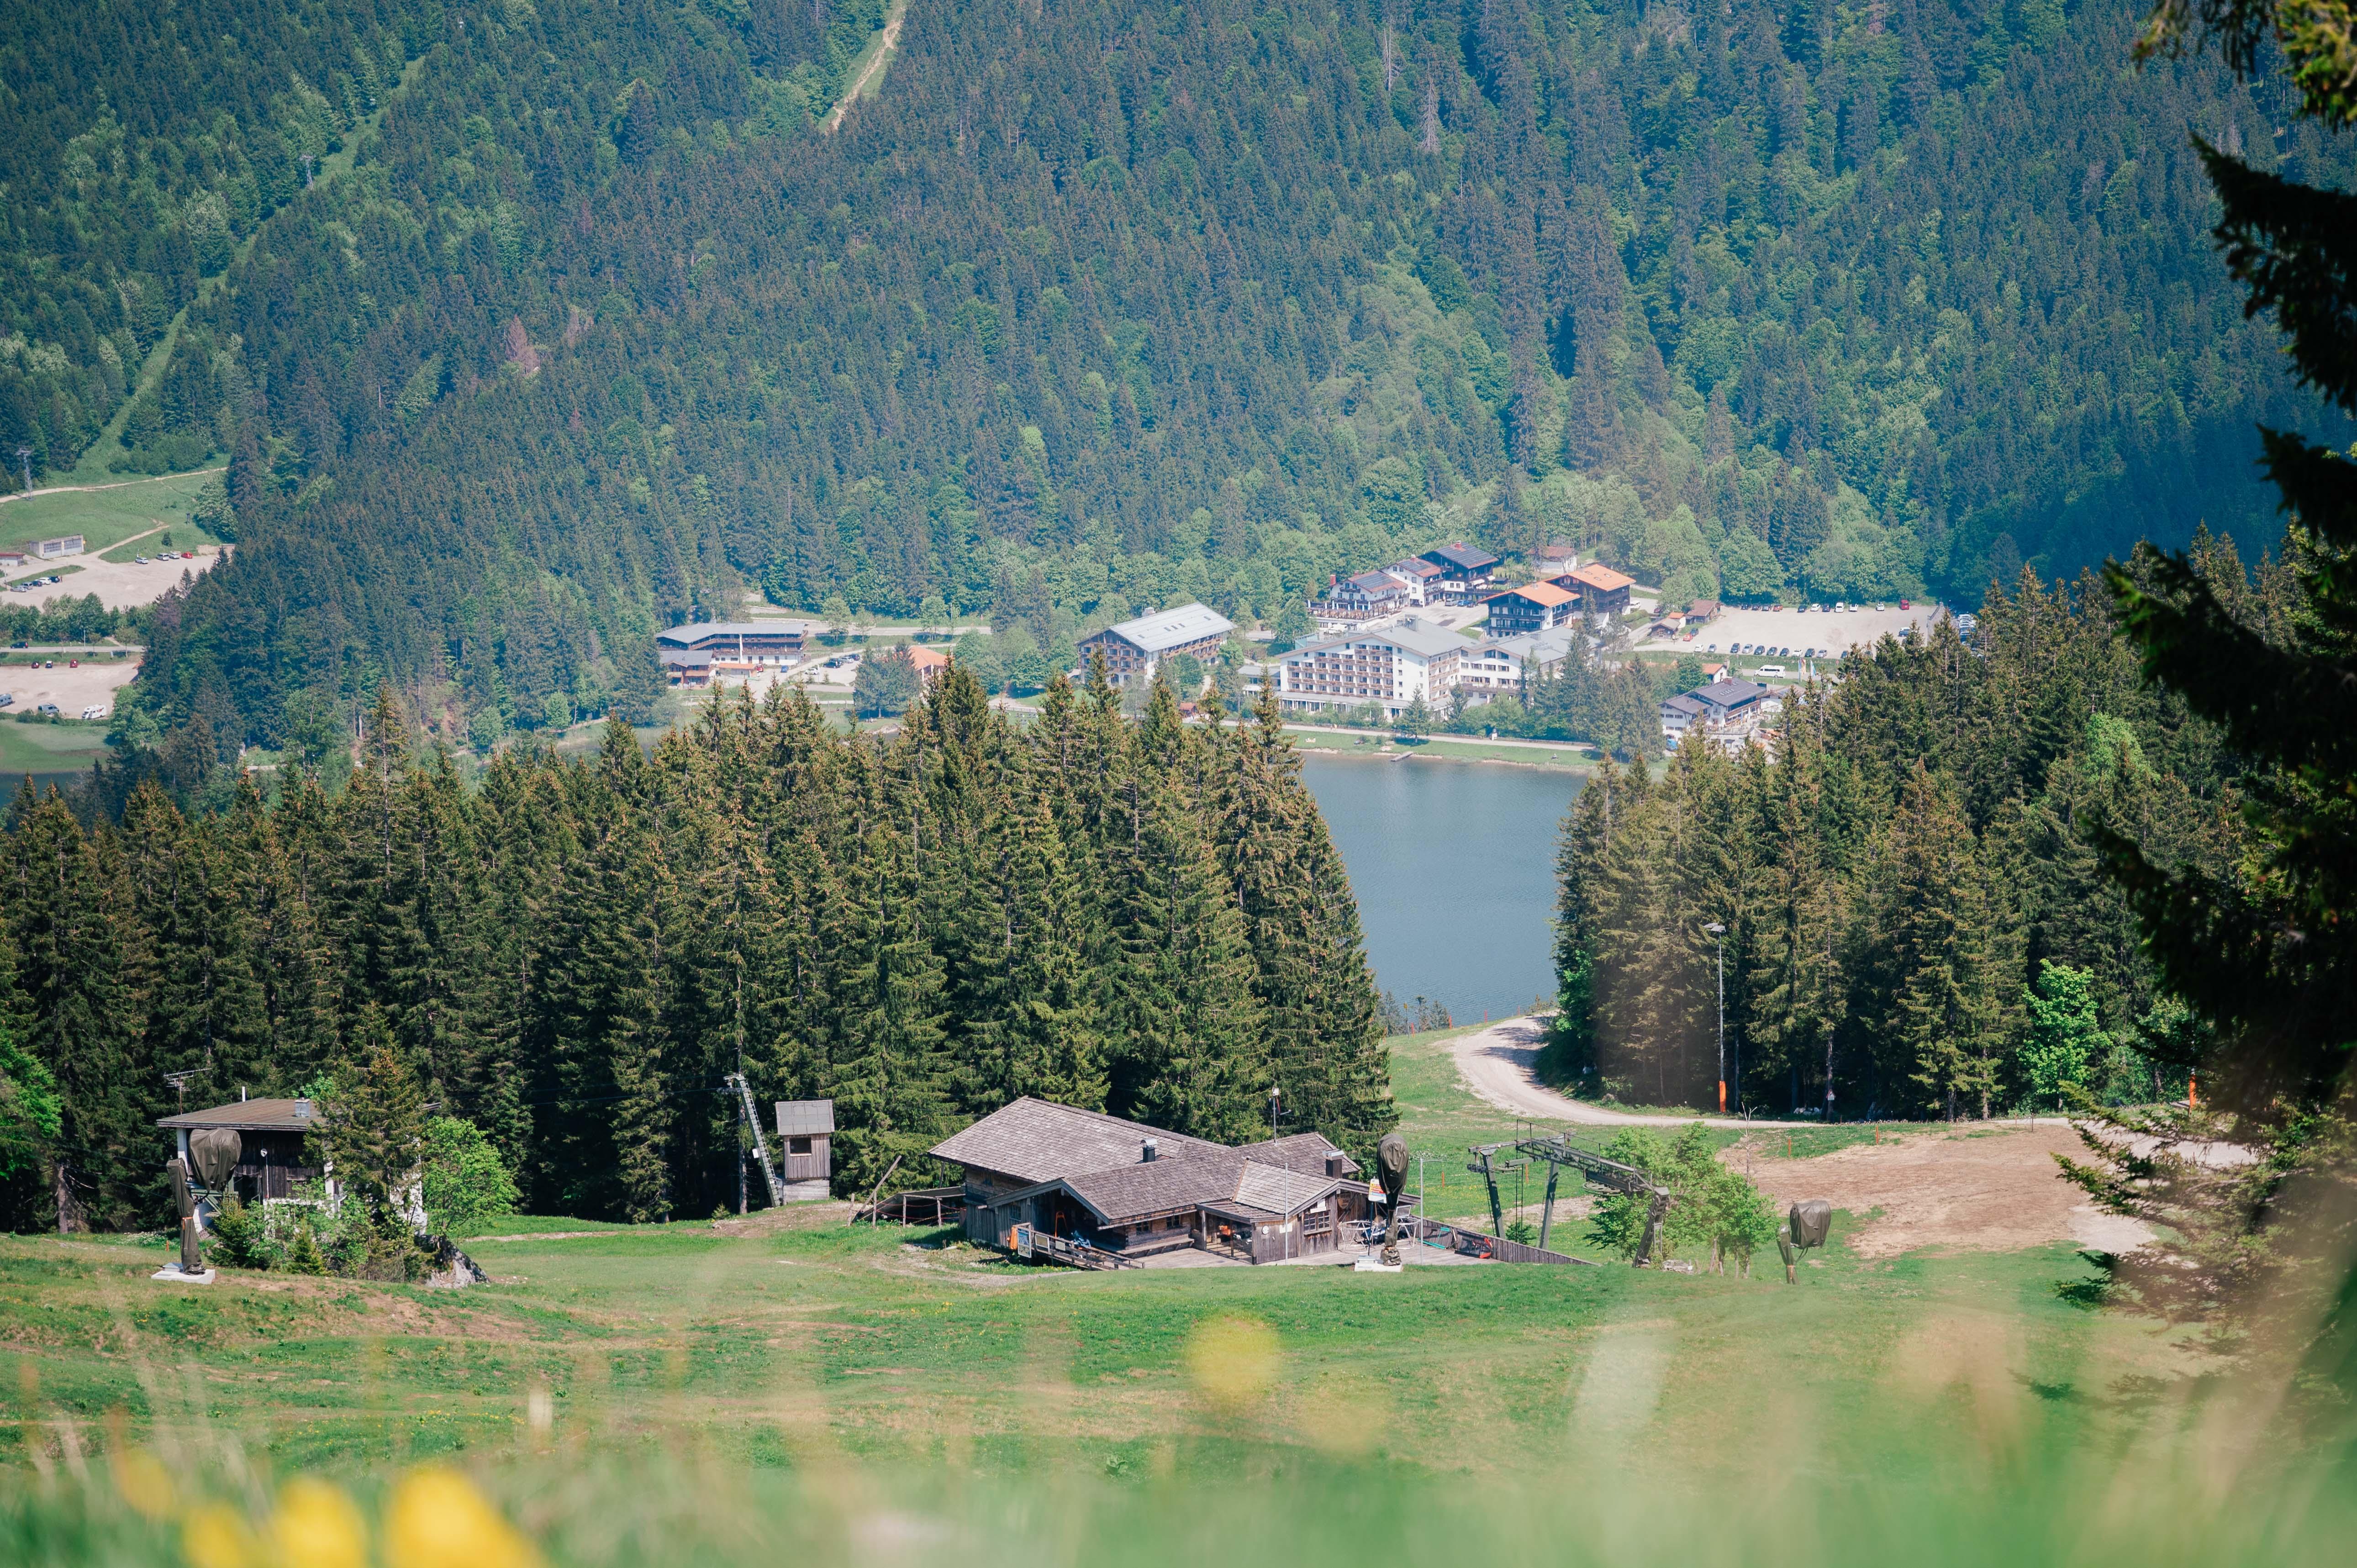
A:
1038	1140
1101	1160
1278	1190
1159	1185
1538	593
1598	575
249	1116
1302	1152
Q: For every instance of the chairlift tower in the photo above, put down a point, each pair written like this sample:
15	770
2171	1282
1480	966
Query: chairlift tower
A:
24	456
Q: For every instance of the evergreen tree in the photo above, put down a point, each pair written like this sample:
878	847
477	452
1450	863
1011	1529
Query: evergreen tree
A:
1301	926
374	1122
66	928
1189	1052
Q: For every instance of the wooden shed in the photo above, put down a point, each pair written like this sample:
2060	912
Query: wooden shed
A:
806	1134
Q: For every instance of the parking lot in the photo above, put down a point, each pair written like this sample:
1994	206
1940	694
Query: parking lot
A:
1777	628
119	585
90	684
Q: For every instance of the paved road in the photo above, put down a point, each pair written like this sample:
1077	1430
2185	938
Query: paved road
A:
1497	1065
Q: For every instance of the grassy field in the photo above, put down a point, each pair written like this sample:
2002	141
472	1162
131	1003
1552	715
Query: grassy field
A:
111	515
1441	749
46	748
789	1385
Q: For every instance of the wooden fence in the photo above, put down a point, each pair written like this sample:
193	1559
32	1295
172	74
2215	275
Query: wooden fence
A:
1478	1244
922	1205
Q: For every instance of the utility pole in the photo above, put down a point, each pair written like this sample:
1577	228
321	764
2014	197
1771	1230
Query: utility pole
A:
1719	932
1272	1093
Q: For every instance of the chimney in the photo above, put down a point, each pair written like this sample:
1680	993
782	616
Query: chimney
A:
1152	1147
1333	1162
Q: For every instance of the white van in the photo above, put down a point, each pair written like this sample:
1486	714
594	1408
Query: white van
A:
1770	670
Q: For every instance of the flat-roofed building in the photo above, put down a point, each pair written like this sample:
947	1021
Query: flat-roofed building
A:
1502	666
1391	667
1134	648
64	544
770	643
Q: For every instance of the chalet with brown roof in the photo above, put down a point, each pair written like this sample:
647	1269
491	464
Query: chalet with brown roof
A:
1131	1190
1534	607
1601	590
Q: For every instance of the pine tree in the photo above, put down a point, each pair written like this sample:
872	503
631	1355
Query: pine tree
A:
885	1068
1189	1050
374	1122
1301	925
75	1021
1932	930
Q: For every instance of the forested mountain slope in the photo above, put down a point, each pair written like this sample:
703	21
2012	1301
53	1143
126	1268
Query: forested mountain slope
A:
1098	306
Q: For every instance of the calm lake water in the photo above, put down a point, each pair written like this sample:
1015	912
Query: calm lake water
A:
1454	867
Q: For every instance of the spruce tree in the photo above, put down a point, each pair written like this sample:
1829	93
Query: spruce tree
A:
1317	995
374	1122
2269	954
63	922
1190	1049
885	1070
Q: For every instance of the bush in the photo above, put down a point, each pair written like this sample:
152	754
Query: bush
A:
240	1239
465	1181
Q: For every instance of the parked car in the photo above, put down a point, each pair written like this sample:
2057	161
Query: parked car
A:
7	698
94	712
139	560
49	711
1770	670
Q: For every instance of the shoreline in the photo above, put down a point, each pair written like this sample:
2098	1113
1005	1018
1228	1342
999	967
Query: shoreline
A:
1487	752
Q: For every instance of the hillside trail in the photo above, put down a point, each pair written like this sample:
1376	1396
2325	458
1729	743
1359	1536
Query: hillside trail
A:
117	485
1500	1065
1988	1187
873	69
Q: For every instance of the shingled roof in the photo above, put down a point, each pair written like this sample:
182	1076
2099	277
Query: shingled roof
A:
1037	1139
1101	1160
1278	1190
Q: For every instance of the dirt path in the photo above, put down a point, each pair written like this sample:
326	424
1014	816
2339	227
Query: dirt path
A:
118	485
873	69
1989	1189
1498	1064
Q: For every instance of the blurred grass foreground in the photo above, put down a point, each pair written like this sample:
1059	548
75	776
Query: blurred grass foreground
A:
724	1393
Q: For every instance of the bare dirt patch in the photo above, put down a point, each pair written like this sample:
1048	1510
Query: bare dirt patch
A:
1986	1190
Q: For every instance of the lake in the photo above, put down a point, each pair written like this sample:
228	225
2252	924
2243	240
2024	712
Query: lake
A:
1454	867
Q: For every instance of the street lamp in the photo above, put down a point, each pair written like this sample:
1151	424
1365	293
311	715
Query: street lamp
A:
1719	931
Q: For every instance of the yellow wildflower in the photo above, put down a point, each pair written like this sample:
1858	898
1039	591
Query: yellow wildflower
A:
143	1482
437	1520
215	1537
318	1526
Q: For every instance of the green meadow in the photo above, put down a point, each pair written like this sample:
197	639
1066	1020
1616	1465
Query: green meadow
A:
732	1390
113	511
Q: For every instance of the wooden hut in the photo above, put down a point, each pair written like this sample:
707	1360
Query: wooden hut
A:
806	1132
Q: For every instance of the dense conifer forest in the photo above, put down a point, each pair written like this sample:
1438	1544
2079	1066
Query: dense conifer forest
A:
1103	305
1919	916
1130	914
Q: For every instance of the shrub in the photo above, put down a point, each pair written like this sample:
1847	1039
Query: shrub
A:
467	1183
239	1239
